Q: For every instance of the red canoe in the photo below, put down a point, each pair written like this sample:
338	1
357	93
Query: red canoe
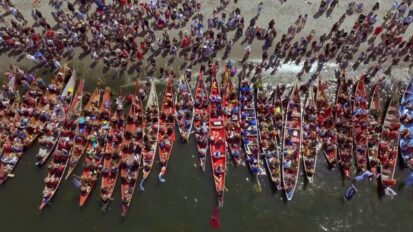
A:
201	120
343	113
360	125
112	157
131	150
166	135
325	121
95	149
217	139
375	127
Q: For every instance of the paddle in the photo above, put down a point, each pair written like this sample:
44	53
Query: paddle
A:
258	187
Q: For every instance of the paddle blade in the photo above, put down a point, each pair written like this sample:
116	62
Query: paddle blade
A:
76	182
214	221
350	192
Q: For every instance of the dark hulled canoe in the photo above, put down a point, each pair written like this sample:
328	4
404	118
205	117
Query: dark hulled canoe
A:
360	125
388	145
374	129
249	127
325	121
406	127
268	135
343	114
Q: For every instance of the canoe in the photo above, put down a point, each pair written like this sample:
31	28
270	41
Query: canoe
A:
131	150
249	127
232	122
325	121
111	156
292	139
267	135
166	136
7	119
278	112
374	128
360	125
343	114
47	103
12	150
309	144
201	120
61	154
217	139
406	127
388	145
50	134
151	132
95	149
184	108
8	93
27	111
81	133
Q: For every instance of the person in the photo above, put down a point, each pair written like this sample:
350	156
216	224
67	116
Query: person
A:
259	8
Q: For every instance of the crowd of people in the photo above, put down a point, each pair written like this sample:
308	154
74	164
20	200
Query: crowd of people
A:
126	34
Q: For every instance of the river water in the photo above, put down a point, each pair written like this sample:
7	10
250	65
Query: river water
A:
185	202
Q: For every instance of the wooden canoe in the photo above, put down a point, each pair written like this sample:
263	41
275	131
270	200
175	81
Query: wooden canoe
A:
343	119
374	128
232	122
131	150
166	136
95	149
325	120
151	132
292	143
309	145
61	154
184	104
80	139
406	127
267	135
47	103
217	139
388	145
278	112
249	127
50	133
360	125
201	120
112	156
12	150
